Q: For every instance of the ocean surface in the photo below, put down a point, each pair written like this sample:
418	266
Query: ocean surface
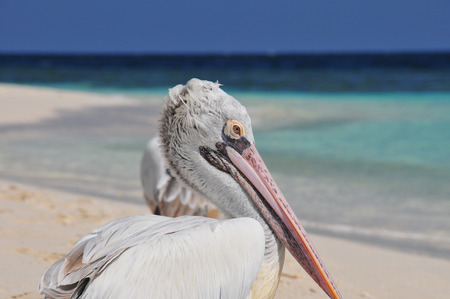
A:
359	144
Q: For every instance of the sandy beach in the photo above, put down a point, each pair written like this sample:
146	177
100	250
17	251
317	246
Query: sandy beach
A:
39	225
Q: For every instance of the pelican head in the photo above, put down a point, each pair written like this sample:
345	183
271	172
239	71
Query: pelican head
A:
208	143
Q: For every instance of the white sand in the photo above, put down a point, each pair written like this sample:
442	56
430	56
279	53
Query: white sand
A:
38	226
25	104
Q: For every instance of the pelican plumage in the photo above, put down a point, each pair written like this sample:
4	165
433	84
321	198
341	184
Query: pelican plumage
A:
208	144
163	193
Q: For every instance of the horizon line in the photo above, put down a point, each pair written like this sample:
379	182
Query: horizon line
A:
216	53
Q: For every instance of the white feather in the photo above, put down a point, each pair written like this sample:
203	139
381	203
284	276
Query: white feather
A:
159	257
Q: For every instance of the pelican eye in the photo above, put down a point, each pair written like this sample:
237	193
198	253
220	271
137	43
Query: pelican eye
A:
237	130
234	129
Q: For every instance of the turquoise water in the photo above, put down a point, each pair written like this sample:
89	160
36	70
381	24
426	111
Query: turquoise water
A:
409	129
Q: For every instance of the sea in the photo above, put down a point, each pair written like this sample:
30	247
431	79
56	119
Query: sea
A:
358	143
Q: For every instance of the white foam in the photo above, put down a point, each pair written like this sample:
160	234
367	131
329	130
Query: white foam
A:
379	232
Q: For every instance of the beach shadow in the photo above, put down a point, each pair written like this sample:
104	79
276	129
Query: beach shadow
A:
116	121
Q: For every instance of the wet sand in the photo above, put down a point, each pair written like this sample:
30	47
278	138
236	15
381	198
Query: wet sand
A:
39	225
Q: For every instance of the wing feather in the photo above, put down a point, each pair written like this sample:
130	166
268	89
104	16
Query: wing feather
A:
159	257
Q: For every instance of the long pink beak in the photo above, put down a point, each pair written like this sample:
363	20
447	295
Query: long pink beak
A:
287	227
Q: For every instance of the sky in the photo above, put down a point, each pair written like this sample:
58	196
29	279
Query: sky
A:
227	26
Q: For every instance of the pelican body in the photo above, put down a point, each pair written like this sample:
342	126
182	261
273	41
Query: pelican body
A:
208	145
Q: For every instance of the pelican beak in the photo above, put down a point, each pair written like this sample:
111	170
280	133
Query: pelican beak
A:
277	212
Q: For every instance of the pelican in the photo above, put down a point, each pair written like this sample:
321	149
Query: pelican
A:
208	144
163	193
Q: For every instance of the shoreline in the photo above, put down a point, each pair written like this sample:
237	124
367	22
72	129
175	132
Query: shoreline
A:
384	240
341	232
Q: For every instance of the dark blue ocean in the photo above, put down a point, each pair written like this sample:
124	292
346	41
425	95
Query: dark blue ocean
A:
280	73
359	143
